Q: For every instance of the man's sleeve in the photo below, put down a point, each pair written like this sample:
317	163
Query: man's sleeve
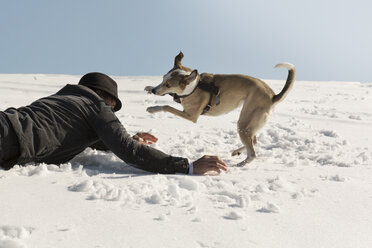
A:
99	145
115	137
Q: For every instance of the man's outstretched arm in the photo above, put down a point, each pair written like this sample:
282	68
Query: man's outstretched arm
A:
109	129
114	136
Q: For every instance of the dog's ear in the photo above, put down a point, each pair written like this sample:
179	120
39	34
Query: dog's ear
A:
191	77
177	60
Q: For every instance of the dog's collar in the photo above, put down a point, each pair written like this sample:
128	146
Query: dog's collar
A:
177	98
209	87
182	96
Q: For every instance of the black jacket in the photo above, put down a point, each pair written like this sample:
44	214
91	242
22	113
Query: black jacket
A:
54	129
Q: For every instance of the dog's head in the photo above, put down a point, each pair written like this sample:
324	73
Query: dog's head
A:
181	80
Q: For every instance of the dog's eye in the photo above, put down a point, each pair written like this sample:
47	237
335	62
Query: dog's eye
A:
167	85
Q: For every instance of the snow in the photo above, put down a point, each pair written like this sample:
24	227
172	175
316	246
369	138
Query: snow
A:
310	185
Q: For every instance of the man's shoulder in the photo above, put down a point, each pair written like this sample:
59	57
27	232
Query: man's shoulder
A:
80	94
75	89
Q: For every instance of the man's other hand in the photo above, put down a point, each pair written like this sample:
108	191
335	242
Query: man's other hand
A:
145	138
209	165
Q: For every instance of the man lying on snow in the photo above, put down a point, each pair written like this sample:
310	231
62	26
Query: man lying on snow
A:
54	129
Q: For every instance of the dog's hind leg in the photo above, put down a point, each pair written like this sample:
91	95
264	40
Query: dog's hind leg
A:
250	121
247	139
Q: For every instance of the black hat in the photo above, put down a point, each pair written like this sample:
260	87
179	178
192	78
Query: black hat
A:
102	82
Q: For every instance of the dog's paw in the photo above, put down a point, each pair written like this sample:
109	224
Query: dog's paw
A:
154	109
241	164
149	89
246	161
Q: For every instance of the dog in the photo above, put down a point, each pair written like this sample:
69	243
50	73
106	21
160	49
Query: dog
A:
217	94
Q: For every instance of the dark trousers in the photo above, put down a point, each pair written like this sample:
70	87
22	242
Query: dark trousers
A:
9	144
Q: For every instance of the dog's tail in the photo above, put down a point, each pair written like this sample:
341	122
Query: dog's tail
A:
288	84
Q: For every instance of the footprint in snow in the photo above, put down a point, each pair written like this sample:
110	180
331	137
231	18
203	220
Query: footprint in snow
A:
270	208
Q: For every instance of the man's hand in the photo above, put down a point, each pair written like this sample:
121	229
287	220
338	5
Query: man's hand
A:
207	164
145	138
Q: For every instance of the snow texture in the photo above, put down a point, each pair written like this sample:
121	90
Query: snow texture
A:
310	185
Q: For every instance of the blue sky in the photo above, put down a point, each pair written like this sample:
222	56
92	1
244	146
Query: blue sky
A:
326	40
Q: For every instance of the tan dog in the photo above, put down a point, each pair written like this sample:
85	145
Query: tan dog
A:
223	93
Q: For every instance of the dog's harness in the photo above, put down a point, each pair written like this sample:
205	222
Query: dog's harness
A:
209	87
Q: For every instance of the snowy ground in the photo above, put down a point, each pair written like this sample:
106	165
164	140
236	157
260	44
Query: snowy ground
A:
311	185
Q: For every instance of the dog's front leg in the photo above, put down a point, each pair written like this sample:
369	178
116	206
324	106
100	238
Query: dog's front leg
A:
149	89
174	111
